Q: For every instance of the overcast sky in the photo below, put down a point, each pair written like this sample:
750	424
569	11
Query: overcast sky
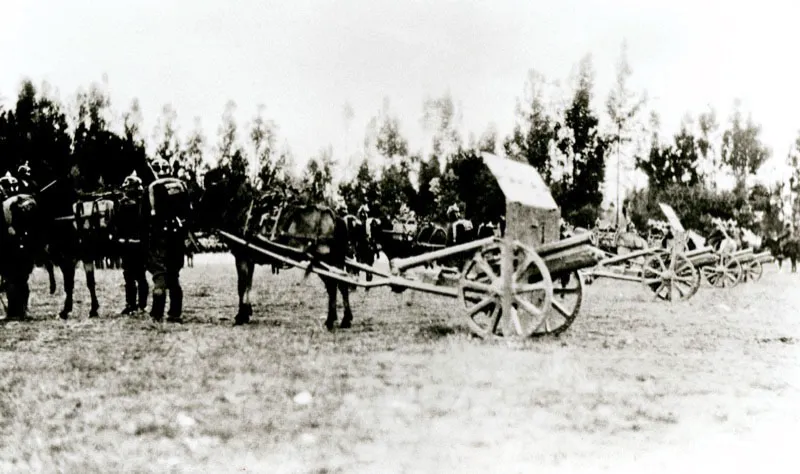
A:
305	59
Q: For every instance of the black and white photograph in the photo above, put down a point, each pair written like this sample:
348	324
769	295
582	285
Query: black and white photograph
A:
399	236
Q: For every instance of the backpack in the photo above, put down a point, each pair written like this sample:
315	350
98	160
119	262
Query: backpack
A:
169	202
20	218
93	215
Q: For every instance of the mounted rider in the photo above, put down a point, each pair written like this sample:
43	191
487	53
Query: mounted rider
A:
167	210
129	226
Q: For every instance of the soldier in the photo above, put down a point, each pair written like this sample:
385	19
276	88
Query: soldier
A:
19	243
453	216
128	228
26	183
168	207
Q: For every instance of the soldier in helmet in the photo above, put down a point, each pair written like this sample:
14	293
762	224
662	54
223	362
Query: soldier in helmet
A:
26	183
363	213
453	216
168	207
9	185
128	228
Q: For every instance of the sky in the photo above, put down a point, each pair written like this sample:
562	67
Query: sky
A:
304	60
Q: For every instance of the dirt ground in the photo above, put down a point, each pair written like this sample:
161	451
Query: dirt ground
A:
709	385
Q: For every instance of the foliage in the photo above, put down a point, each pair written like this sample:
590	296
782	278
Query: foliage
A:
166	136
585	149
695	205
317	178
36	131
742	149
535	130
395	188
439	116
363	189
675	164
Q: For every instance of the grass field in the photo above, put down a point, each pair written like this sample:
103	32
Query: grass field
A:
709	385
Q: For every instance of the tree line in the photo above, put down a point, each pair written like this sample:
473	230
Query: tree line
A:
561	134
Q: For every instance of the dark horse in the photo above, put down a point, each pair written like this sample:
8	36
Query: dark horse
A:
784	247
73	233
361	245
315	233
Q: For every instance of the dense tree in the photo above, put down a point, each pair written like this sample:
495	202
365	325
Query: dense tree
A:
426	198
580	192
440	117
707	122
389	143
742	149
318	177
192	154
669	165
263	138
535	131
229	153
35	131
363	189
622	106
96	149
396	188
165	136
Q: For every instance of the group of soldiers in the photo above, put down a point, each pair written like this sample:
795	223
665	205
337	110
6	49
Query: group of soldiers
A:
149	225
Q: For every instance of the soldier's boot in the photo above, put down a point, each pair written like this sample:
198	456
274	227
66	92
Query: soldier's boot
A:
175	305
157	309
144	290
130	299
16	308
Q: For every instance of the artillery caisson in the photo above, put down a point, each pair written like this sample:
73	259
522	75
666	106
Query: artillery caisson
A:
667	272
520	285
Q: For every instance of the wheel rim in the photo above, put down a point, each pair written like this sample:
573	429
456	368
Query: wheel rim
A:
754	271
481	293
565	307
678	284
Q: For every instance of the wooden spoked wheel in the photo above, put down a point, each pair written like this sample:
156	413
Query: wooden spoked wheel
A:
482	290
567	299
753	271
678	283
726	273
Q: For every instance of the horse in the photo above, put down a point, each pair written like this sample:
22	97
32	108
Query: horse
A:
789	247
361	247
76	230
231	204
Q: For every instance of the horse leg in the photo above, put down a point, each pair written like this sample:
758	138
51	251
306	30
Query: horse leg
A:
331	286
51	274
244	278
68	272
88	268
347	320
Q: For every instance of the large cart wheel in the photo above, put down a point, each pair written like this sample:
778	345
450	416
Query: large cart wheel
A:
481	291
567	299
670	283
753	271
726	273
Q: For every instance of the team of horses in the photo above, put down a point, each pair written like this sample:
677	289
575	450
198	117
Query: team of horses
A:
72	228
